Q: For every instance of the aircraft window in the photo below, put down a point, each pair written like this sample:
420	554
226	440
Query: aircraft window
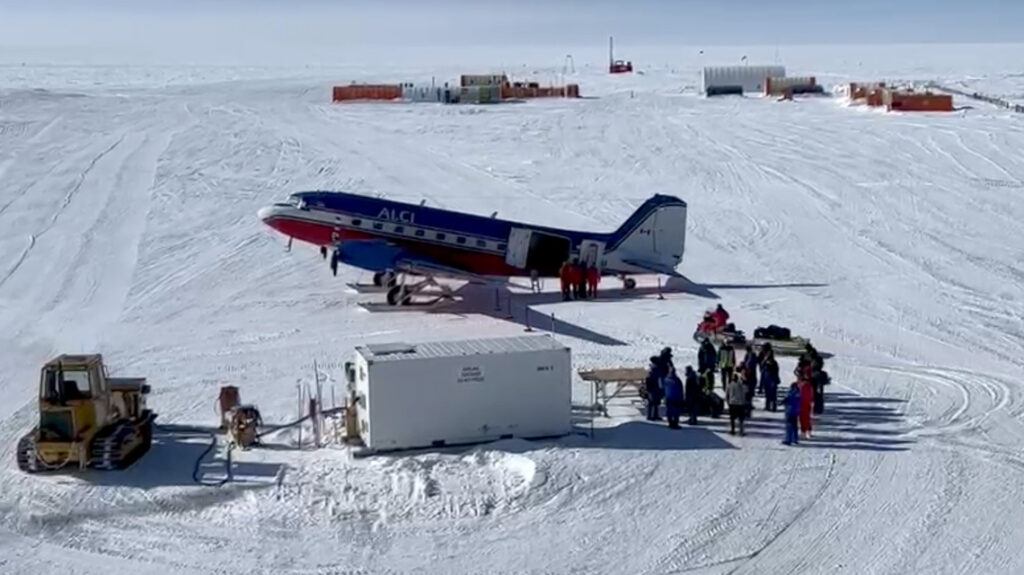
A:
378	226
501	247
481	244
420	233
399	229
440	236
357	223
460	240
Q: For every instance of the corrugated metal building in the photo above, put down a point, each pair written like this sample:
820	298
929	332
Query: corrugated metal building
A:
730	79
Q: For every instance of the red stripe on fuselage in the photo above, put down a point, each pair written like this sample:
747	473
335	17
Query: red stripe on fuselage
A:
323	234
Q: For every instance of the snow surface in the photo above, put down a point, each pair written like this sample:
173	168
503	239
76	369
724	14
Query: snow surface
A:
127	226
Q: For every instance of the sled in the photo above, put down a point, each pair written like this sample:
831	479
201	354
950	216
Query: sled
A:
791	346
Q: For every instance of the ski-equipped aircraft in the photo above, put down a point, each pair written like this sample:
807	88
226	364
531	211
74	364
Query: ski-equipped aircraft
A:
395	240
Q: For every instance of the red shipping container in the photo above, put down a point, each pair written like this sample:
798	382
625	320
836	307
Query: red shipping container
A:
908	102
367	92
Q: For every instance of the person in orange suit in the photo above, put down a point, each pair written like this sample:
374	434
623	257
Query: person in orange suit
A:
566	278
593	277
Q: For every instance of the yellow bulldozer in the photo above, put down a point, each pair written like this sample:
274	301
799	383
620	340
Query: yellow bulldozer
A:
87	419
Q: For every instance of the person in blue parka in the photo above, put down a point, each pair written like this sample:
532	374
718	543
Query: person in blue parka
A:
673	398
792	403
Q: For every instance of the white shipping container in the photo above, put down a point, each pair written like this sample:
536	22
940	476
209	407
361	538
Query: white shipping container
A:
749	78
458	392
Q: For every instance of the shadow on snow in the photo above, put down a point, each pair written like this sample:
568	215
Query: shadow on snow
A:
169	463
501	303
172	459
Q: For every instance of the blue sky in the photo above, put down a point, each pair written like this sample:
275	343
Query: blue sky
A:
231	27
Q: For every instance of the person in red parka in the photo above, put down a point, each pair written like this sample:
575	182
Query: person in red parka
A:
566	278
721	317
593	277
806	404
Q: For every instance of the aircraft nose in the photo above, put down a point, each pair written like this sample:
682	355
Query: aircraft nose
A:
265	213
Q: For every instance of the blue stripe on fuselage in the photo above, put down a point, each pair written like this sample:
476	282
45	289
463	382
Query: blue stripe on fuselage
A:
428	217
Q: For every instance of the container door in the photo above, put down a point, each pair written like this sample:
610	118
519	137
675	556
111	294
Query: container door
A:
518	248
592	253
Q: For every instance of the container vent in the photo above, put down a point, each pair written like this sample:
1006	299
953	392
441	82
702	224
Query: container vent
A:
390	348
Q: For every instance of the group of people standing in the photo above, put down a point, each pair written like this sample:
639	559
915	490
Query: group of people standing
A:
663	383
757	373
579	279
740	380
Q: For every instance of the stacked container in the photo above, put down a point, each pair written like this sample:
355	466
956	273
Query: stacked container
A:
795	85
482	80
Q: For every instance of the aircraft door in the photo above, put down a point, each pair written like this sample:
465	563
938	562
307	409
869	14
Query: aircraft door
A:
592	252
518	248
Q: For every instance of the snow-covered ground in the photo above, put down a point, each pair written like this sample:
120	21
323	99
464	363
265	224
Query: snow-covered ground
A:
1009	87
128	226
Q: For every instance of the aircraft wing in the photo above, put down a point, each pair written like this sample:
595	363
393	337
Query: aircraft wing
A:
654	267
418	265
382	255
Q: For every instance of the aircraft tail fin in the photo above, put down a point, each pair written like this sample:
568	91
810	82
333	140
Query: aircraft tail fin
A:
654	234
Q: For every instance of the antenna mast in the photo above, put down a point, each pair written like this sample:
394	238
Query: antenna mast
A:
611	53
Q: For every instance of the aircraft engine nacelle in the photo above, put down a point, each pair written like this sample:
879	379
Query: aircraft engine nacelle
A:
376	256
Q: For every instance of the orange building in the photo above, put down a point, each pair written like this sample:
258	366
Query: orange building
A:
367	92
918	102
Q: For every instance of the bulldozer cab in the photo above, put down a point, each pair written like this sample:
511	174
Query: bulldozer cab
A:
73	397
